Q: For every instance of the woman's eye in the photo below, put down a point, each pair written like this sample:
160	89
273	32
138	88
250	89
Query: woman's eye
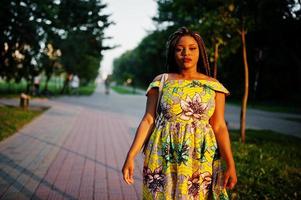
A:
192	48
178	49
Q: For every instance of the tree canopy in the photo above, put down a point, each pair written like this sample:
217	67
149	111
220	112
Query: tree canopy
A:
272	41
39	36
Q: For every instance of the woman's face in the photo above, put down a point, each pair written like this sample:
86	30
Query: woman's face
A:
187	52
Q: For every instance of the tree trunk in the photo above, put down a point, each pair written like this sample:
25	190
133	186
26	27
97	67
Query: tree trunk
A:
46	84
66	84
216	46
246	88
46	91
29	85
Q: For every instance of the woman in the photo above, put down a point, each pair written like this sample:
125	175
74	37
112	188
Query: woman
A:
188	137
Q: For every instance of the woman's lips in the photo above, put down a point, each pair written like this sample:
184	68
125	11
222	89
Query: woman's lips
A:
187	60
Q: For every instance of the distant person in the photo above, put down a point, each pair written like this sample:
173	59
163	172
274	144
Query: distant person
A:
36	85
107	85
74	84
184	139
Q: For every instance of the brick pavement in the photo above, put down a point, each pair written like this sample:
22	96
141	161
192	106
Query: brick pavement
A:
72	151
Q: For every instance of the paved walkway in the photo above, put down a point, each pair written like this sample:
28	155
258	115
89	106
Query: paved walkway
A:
73	151
76	149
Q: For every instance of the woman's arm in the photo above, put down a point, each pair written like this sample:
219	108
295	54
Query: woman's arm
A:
146	123
142	133
220	129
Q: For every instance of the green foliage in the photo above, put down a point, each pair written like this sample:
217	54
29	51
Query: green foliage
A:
87	89
12	119
273	29
19	35
73	28
55	85
144	62
88	69
82	44
12	89
121	90
268	166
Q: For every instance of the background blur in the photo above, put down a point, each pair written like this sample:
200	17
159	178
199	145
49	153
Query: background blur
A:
56	38
66	48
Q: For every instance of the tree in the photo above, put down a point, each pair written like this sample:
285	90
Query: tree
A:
50	60
86	25
21	25
144	62
30	25
262	34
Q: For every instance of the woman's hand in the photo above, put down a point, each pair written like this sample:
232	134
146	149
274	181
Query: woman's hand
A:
230	178
128	170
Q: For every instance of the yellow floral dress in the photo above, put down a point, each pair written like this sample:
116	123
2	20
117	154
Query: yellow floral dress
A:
182	159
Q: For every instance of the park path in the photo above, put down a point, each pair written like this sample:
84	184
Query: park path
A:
76	149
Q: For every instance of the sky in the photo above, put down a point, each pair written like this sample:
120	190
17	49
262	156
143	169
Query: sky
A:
133	20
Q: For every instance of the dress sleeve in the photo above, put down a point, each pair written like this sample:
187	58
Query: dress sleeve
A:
217	86
152	85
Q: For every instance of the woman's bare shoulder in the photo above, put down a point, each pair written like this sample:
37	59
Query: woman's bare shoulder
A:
209	78
212	79
158	77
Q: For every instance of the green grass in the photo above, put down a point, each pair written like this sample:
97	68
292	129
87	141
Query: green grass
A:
268	166
12	90
87	90
122	90
13	118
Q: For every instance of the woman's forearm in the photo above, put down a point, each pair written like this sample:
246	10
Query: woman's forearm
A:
223	140
142	134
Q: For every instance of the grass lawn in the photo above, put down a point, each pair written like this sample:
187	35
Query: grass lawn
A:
14	118
87	90
122	90
268	166
12	90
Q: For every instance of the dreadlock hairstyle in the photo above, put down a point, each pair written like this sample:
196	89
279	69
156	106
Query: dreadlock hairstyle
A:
171	65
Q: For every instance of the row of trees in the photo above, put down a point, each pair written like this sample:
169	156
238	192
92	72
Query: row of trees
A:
262	34
51	36
271	27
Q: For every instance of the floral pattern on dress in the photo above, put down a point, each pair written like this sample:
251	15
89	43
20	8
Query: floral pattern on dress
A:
206	182
182	159
194	185
154	180
193	108
164	109
175	153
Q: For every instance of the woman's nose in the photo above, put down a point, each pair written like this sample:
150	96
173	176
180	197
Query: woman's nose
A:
185	52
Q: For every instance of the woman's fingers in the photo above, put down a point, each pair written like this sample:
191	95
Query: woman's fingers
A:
128	175
131	175
226	178
128	171
232	182
231	185
125	175
229	181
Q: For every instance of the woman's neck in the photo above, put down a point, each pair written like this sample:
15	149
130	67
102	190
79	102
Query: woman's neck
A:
188	73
